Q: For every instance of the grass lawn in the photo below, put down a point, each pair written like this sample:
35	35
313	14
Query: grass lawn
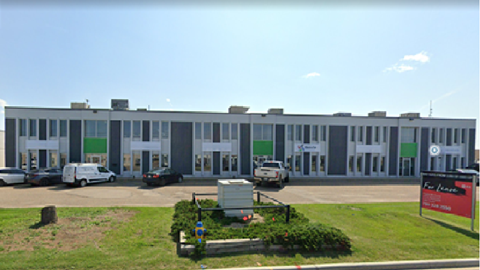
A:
137	238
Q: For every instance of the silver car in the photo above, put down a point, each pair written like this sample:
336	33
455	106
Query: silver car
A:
11	176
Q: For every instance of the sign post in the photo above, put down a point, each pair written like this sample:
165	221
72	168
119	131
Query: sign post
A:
449	192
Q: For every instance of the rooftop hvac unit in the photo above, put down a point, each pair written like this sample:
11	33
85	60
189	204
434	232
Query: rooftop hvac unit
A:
235	193
119	104
410	115
79	105
238	109
342	114
378	114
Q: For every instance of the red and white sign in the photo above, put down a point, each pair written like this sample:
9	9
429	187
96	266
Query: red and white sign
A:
448	193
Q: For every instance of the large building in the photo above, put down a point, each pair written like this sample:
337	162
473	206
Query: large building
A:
208	144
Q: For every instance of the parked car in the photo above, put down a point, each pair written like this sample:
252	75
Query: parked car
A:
473	166
162	176
81	174
470	171
10	176
271	172
45	177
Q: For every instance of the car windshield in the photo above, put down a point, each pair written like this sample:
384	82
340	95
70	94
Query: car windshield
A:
271	165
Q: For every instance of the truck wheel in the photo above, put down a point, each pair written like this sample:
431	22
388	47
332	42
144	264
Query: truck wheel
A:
83	183
287	180
2	183
258	184
280	182
111	179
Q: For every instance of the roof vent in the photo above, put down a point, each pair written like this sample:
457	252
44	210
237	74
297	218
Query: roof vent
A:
238	109
342	114
410	115
378	114
141	109
275	111
79	105
119	104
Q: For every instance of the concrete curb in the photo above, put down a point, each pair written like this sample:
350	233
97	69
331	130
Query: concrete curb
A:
397	265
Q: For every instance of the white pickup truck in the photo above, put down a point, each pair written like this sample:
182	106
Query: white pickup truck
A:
271	171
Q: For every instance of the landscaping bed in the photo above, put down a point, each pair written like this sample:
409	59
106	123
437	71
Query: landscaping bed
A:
273	233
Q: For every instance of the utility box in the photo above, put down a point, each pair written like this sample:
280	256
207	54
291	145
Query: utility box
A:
236	193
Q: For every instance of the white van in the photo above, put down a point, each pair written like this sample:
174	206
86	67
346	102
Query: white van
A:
81	174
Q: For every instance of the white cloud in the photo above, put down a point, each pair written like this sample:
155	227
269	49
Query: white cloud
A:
313	74
168	100
399	68
419	57
3	103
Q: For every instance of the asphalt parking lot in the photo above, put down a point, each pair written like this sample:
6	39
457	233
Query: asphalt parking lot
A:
132	192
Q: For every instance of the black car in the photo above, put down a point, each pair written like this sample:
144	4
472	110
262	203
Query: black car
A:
45	177
162	176
473	166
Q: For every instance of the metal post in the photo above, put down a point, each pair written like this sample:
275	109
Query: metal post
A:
421	193
474	193
258	196
199	214
288	213
193	197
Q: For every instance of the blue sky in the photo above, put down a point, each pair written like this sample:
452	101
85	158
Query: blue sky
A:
312	59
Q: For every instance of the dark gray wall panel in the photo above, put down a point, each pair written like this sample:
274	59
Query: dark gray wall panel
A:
216	163
182	147
280	143
368	162
393	150
114	147
448	162
42	158
306	134
306	163
369	136
216	132
449	136
337	150
42	130
146	131
245	149
145	161
10	142
75	141
471	146
424	149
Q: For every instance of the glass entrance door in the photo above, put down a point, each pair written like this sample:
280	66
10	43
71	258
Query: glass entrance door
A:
406	167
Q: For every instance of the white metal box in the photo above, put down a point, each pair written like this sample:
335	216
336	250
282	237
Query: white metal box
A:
236	193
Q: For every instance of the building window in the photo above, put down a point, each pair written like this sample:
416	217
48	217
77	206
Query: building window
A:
53	159
409	135
385	134
155	130
127	129
136	159
23	161
352	134
225	132
455	135
23	127
323	133
359	163
164	162
375	164
360	134
234	132
95	129
165	130
53	128
155	160
63	128
463	135
298	132
198	131
262	132
322	163
462	162
290	132
225	159
377	134
440	137
433	135
432	164
63	160
454	163
297	163
136	130
33	127
127	162
289	161
314	163
234	163
198	162
90	128
207	131
101	129
207	162
315	133
350	164
382	164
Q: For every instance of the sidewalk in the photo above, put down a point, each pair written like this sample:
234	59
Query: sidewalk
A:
396	265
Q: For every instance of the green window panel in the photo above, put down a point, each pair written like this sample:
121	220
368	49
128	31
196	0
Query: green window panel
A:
408	150
95	145
263	148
